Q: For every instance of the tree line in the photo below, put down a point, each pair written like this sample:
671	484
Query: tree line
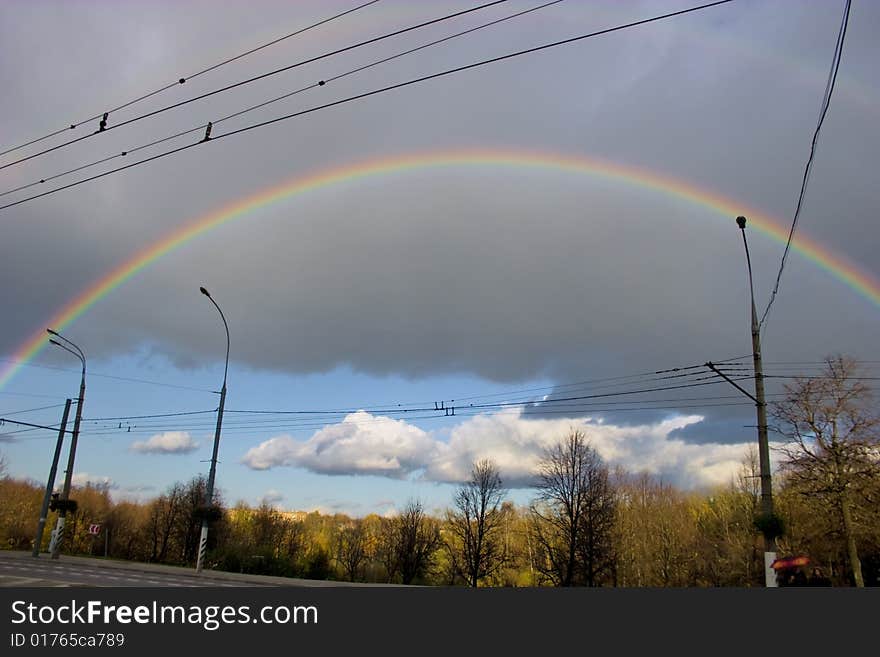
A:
587	525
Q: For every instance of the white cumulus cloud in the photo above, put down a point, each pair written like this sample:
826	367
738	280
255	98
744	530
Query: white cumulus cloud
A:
170	442
360	444
366	444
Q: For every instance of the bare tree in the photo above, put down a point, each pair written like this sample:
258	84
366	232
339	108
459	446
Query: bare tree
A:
573	515
833	449
386	549
192	501
351	549
595	543
477	542
164	512
416	539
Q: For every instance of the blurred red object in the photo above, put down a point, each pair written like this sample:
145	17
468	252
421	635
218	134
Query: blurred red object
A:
790	562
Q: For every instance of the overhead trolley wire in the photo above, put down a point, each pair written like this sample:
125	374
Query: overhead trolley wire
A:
703	381
140	417
201	127
103	376
184	78
28	424
826	103
32	410
247	81
403	408
375	92
502	405
282	420
464	412
587	383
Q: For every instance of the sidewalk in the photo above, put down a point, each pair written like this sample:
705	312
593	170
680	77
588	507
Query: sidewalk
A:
177	571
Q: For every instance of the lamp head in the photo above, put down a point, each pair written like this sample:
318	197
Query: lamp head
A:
205	292
55	342
51	332
741	222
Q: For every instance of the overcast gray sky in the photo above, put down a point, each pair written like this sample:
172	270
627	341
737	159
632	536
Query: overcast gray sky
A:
505	273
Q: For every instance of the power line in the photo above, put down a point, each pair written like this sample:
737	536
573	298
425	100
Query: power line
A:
535	407
775	373
253	79
508	393
26	394
139	417
570	408
271	43
817	363
440	407
390	408
704	381
184	78
276	99
152	383
106	376
234	429
301	425
819	378
16	432
826	103
374	92
402	408
698	382
33	410
514	397
29	424
514	400
590	383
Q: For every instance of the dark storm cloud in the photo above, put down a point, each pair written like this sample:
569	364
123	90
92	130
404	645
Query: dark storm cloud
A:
508	273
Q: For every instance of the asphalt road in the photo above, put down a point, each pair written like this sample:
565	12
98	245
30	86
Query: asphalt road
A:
16	571
20	569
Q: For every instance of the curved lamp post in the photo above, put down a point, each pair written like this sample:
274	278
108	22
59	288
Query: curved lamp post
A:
761	407
209	493
70	347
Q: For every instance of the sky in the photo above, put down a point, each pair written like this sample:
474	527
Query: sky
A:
527	242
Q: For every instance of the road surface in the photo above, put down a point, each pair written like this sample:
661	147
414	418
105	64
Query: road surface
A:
20	572
20	569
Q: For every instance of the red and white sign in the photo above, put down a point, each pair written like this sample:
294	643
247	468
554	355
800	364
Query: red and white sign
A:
94	529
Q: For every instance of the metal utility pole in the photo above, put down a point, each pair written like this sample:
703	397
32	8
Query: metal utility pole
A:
50	482
66	502
761	410
209	493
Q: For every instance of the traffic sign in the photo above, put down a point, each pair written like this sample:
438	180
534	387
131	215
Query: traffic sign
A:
94	529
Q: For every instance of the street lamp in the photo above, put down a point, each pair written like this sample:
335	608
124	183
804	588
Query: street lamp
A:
768	525
763	444
209	494
65	505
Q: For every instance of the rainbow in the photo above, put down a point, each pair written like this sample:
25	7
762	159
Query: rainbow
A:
860	281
